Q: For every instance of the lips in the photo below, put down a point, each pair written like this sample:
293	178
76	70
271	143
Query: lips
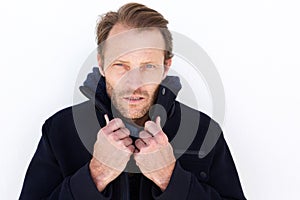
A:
134	99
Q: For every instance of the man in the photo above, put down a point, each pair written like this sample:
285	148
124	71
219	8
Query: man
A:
118	144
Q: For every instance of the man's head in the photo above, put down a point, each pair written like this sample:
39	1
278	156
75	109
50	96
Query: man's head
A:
134	56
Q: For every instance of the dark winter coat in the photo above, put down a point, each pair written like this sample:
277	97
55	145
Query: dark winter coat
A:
59	168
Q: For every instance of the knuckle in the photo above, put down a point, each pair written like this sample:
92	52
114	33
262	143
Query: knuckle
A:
126	131
118	122
129	150
145	135
103	130
132	148
112	124
130	140
151	142
113	136
141	134
124	142
137	142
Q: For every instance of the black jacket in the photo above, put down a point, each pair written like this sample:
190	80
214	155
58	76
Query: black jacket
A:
59	168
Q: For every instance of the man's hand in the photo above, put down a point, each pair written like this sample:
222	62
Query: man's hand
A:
112	151
155	156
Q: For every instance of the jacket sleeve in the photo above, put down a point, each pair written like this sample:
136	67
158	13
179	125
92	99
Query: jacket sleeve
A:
44	179
224	182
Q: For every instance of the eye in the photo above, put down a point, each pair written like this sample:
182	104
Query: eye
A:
119	64
149	66
120	68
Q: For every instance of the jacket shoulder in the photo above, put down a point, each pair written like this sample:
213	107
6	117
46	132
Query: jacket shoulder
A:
204	119
67	112
70	130
64	123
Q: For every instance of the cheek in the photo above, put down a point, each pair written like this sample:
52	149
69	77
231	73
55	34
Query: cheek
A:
112	80
110	85
151	88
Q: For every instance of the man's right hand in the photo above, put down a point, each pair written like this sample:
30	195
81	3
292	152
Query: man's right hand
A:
112	151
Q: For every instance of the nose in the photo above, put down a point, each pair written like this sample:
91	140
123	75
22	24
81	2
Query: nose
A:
133	79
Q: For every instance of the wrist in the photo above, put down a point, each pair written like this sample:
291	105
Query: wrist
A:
98	175
163	178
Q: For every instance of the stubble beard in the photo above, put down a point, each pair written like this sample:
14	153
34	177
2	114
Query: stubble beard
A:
133	112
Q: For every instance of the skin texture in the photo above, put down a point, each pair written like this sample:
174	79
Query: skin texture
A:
134	75
154	154
132	80
112	151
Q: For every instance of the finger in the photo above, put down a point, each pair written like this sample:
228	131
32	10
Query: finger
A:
120	134
145	134
149	141
146	137
114	125
158	121
130	149
126	141
106	119
152	128
139	143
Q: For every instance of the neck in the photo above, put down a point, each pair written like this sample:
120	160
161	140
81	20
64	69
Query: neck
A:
141	121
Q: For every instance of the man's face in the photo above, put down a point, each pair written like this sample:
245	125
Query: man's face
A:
132	78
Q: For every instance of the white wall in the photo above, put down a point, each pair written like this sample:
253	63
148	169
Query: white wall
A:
254	44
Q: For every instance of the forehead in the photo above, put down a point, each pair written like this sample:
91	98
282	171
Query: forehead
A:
148	32
143	56
123	40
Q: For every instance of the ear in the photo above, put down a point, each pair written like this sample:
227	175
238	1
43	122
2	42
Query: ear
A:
168	63
100	65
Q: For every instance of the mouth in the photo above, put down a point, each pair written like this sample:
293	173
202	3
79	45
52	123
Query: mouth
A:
134	99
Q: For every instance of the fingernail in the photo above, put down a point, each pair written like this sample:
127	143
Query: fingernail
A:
158	120
106	119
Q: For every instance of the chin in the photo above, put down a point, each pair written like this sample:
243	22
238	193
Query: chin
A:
133	113
133	116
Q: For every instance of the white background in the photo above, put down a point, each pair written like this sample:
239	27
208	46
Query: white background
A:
254	44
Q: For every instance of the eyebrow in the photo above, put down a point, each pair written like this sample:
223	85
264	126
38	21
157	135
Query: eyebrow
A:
148	62
122	61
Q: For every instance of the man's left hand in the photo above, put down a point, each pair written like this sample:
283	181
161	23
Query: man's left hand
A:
154	154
